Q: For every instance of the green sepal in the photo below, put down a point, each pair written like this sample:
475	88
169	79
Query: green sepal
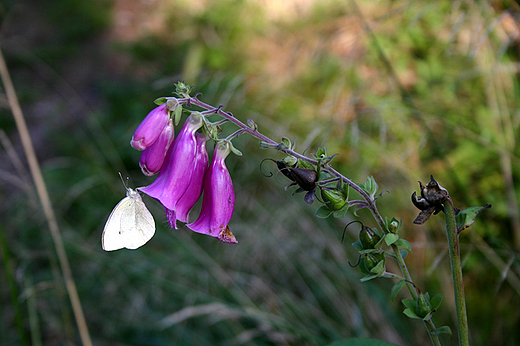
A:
409	312
342	212
182	89
357	245
369	277
290	161
365	251
177	114
234	150
466	217
369	237
321	153
442	330
333	198
391	238
436	301
393	225
404	243
160	101
362	267
265	145
286	142
323	212
409	303
397	288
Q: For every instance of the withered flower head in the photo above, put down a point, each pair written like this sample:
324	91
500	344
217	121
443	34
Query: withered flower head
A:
431	201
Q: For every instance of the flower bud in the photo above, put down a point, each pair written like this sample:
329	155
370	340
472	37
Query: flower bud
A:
368	238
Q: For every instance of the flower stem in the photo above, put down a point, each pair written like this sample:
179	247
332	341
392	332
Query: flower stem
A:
371	205
456	270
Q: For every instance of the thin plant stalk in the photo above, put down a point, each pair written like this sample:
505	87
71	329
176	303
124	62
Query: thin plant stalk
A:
45	200
253	131
456	270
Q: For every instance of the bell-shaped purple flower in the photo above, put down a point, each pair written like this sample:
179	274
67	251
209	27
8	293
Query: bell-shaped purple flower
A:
193	192
175	176
150	128
219	199
152	158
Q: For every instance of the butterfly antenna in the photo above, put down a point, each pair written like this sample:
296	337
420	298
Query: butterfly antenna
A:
123	181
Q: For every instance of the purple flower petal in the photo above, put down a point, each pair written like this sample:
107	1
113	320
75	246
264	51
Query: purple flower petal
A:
193	192
152	158
150	128
174	177
219	199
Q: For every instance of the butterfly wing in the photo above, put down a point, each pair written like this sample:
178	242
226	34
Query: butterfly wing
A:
138	225
112	238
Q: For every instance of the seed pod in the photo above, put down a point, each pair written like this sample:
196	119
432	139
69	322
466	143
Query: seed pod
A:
424	307
334	198
305	178
371	260
368	238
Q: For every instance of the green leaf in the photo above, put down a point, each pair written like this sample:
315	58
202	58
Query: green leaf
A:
323	212
411	314
403	253
442	330
436	301
404	243
467	217
396	288
391	238
409	303
321	153
305	164
360	342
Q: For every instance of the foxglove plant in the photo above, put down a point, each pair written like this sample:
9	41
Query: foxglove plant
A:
184	175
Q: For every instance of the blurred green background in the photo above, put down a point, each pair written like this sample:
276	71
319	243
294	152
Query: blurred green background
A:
399	89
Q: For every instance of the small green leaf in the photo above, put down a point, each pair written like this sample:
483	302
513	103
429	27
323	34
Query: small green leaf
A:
410	313
442	330
404	243
321	153
305	164
290	161
467	217
436	301
403	253
323	212
391	238
396	288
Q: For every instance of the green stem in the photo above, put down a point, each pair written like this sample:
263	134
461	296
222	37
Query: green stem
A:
456	270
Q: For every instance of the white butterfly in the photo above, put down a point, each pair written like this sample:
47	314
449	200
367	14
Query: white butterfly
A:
130	225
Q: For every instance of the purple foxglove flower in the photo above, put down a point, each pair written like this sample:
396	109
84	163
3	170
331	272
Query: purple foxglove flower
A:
152	158
193	192
219	199
150	128
174	178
